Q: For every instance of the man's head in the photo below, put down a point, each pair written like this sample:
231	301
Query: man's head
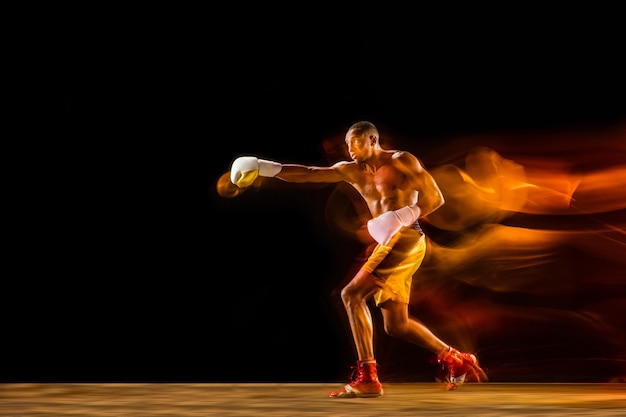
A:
362	139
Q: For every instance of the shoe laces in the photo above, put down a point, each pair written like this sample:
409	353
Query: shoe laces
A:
357	373
354	373
446	358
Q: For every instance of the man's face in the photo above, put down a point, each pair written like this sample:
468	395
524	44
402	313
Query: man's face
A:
359	146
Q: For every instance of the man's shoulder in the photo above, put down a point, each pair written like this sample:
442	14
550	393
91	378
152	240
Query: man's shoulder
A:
406	161
402	155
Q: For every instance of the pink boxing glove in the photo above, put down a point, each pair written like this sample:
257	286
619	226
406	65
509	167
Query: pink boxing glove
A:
383	227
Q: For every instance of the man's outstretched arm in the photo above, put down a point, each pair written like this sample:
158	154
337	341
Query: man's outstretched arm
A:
245	169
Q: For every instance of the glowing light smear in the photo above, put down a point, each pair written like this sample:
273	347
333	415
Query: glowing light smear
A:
533	234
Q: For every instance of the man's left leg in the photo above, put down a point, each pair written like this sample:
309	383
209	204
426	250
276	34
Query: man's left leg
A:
364	380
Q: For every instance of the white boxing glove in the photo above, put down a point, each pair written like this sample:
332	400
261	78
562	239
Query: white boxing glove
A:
383	227
246	169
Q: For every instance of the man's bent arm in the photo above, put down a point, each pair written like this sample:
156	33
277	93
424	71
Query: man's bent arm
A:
430	196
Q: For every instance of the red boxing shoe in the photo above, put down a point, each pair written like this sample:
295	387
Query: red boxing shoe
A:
364	382
459	365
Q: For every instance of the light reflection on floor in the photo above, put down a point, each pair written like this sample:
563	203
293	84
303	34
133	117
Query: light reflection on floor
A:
290	399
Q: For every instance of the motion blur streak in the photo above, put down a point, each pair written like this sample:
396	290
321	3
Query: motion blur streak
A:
531	247
583	177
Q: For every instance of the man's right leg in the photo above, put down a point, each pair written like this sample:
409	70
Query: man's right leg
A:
456	364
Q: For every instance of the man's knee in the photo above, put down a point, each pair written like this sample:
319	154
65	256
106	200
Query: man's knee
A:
351	294
347	294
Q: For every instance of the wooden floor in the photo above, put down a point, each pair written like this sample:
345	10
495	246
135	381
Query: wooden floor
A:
295	399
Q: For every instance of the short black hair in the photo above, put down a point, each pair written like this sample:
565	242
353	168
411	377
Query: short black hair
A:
364	127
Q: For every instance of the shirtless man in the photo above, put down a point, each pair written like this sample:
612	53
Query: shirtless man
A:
398	191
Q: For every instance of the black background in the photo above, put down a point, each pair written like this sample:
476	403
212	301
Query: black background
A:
132	268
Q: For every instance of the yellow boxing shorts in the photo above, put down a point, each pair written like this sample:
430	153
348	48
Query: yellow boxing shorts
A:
396	262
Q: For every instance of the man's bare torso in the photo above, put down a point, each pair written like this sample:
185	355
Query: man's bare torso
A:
385	188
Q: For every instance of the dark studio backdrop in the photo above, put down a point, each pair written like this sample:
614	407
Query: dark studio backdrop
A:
139	271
